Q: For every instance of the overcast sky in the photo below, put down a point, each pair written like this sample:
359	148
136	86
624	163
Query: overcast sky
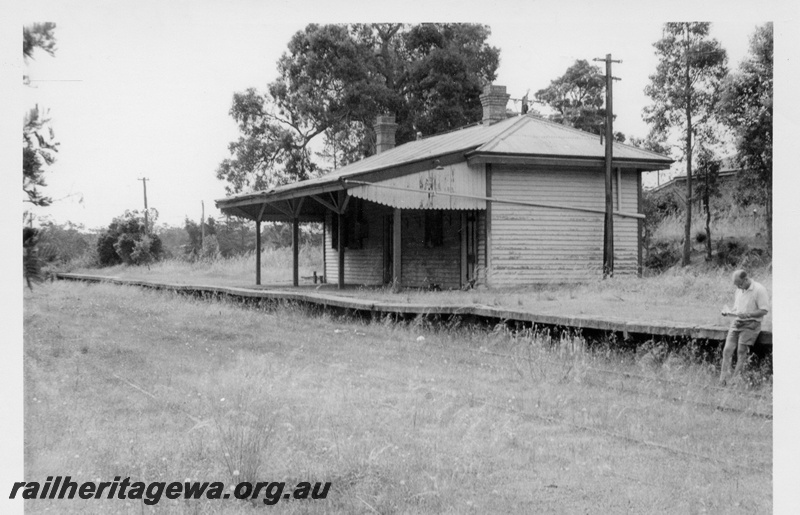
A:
143	89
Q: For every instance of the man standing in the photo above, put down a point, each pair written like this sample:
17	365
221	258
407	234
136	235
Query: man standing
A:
751	303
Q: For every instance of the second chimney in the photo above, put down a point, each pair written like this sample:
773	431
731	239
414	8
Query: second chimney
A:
494	100
385	129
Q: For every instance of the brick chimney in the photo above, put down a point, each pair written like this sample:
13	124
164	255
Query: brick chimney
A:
494	100
385	129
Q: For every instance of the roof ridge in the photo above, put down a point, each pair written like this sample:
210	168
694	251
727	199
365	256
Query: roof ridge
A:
456	129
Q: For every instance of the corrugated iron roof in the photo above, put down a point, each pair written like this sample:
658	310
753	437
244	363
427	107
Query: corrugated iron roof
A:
524	135
535	136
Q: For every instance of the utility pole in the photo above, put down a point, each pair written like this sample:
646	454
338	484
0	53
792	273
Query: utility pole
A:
146	223
202	224
608	226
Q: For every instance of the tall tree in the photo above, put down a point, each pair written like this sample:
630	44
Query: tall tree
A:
335	79
577	97
747	108
685	92
38	35
708	172
38	147
445	67
38	152
38	140
321	78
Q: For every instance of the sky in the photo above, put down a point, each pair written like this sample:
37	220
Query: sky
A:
143	89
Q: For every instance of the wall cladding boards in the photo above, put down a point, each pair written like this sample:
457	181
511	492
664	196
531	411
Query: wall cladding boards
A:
538	245
362	265
425	265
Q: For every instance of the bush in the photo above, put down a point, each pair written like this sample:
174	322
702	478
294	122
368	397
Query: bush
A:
754	258
106	253
126	241
32	265
124	247
60	244
730	253
700	236
662	255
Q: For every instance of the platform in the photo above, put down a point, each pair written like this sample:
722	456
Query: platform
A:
302	295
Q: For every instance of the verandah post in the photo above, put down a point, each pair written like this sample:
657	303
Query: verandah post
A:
396	249
340	236
258	252
295	251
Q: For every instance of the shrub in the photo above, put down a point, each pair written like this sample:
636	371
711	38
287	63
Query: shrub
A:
106	253
127	241
32	266
700	236
146	250
60	244
730	252
662	255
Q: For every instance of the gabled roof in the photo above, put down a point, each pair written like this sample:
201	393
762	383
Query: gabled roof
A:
524	139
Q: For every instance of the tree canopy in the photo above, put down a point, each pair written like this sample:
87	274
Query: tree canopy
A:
577	97
334	80
38	35
38	152
747	109
127	240
38	140
685	91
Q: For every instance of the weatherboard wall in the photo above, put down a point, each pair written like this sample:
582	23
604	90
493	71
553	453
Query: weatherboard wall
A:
542	245
426	266
481	238
423	265
364	265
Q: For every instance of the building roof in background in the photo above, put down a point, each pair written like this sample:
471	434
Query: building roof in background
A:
725	175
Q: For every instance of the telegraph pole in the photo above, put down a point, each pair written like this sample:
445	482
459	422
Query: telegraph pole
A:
146	223
608	226
202	224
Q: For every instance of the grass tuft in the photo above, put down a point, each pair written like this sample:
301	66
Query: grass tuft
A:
464	420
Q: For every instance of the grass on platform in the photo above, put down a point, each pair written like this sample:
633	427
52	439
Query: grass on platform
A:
690	296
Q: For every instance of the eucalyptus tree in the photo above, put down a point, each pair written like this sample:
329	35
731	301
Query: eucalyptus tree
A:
38	148
577	97
38	140
333	81
38	36
747	110
685	91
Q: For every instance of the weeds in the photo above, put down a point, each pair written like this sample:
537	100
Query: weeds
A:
244	434
397	425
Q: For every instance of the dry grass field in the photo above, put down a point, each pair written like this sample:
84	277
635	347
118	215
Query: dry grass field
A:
400	418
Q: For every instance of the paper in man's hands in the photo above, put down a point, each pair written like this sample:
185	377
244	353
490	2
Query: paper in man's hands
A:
727	311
